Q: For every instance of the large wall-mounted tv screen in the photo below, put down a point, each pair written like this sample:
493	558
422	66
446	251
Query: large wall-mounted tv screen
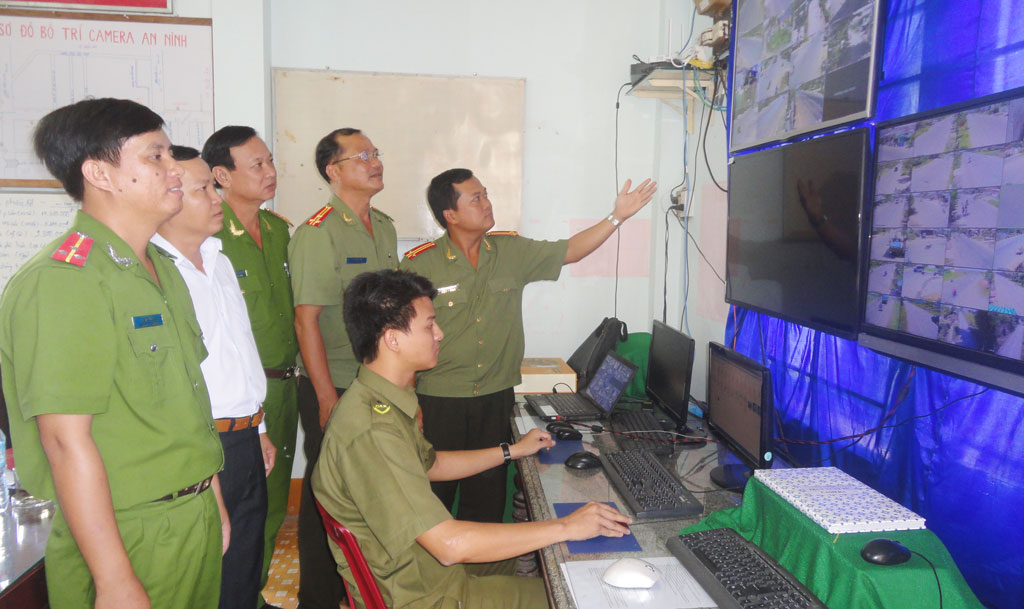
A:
800	66
945	264
794	233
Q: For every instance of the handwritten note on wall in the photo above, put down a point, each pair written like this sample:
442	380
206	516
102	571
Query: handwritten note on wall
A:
27	223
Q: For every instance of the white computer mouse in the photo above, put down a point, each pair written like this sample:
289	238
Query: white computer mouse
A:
631	573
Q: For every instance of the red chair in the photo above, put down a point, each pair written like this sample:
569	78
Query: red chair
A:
360	570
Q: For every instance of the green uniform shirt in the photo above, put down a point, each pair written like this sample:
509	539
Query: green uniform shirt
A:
327	252
372	477
480	310
263	276
103	339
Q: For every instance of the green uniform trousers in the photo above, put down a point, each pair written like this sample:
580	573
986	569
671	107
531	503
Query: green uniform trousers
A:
493	585
281	409
174	547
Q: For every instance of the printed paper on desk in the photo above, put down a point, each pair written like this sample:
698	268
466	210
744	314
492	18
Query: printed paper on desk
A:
676	589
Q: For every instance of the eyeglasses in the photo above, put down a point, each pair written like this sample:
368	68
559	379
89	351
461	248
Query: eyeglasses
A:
363	156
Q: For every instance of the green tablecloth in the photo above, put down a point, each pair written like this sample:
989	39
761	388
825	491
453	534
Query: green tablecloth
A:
831	566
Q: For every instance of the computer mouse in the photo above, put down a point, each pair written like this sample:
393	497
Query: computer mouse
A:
583	460
885	552
563	431
631	573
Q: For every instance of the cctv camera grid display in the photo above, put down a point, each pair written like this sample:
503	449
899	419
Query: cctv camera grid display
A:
947	238
799	65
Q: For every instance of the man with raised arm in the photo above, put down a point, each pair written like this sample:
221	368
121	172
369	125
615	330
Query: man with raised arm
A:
467	398
375	470
100	351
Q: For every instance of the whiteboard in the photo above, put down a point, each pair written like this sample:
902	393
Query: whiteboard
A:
50	61
422	125
28	221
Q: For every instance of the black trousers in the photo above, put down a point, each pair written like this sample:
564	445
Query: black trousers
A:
466	424
243	483
320	585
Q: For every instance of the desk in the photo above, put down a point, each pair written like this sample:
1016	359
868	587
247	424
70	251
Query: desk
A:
22	582
545	485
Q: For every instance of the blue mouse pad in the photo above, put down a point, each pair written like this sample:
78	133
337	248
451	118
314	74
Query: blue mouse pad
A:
559	452
626	543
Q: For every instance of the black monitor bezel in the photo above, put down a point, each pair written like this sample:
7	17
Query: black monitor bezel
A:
763	459
986	368
679	418
866	187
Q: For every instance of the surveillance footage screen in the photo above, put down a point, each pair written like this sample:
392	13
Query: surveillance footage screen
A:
947	238
800	66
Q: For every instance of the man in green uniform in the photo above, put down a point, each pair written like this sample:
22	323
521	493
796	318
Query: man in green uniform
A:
100	352
344	238
467	398
375	467
256	242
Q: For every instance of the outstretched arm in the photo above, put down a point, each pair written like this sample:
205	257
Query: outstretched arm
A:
626	204
459	464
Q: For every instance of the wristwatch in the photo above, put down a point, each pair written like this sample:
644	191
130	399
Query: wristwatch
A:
615	221
505	450
816	222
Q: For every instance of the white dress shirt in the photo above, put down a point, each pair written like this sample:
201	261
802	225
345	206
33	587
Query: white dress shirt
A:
233	372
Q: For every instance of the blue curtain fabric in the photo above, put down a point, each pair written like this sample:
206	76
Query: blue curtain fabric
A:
951	450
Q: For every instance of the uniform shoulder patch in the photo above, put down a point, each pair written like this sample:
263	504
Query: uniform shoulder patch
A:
74	250
419	249
390	219
274	213
503	233
381	408
319	216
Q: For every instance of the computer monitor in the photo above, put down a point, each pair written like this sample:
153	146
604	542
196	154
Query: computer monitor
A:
669	370
740	411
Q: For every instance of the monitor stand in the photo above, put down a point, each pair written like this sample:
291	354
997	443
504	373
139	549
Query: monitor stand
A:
731	477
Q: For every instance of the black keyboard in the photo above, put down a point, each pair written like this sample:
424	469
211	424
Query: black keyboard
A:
649	489
737	574
635	423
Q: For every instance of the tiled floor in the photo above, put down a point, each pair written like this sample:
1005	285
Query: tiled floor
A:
283	581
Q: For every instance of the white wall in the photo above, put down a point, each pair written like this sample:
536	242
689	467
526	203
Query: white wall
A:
574	55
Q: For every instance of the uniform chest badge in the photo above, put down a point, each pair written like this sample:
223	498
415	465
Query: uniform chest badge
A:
381	408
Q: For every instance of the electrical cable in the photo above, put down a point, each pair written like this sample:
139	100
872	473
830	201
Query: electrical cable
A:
935	572
701	252
684	321
618	241
714	94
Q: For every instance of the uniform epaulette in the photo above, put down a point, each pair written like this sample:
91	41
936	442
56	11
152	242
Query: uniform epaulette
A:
503	233
274	213
74	250
419	249
383	214
319	216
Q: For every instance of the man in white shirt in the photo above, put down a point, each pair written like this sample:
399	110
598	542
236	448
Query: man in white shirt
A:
233	373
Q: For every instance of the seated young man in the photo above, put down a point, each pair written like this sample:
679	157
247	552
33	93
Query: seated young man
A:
375	470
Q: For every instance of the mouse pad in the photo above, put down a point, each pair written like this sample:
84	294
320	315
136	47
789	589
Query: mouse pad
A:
559	452
626	543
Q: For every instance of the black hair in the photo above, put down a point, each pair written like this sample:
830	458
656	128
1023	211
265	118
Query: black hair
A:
91	129
217	149
328	148
184	153
441	193
380	301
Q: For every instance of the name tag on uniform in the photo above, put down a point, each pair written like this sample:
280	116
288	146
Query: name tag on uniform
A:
241	273
147	321
355	260
447	289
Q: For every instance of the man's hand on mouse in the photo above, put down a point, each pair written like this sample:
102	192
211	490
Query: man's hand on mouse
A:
532	442
595	519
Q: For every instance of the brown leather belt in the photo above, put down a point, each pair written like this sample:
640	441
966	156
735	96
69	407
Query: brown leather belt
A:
285	374
252	420
195	489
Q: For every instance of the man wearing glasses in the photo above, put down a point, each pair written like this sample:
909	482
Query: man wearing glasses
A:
344	238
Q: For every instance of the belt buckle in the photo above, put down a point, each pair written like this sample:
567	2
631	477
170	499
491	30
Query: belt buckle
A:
202	486
290	372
